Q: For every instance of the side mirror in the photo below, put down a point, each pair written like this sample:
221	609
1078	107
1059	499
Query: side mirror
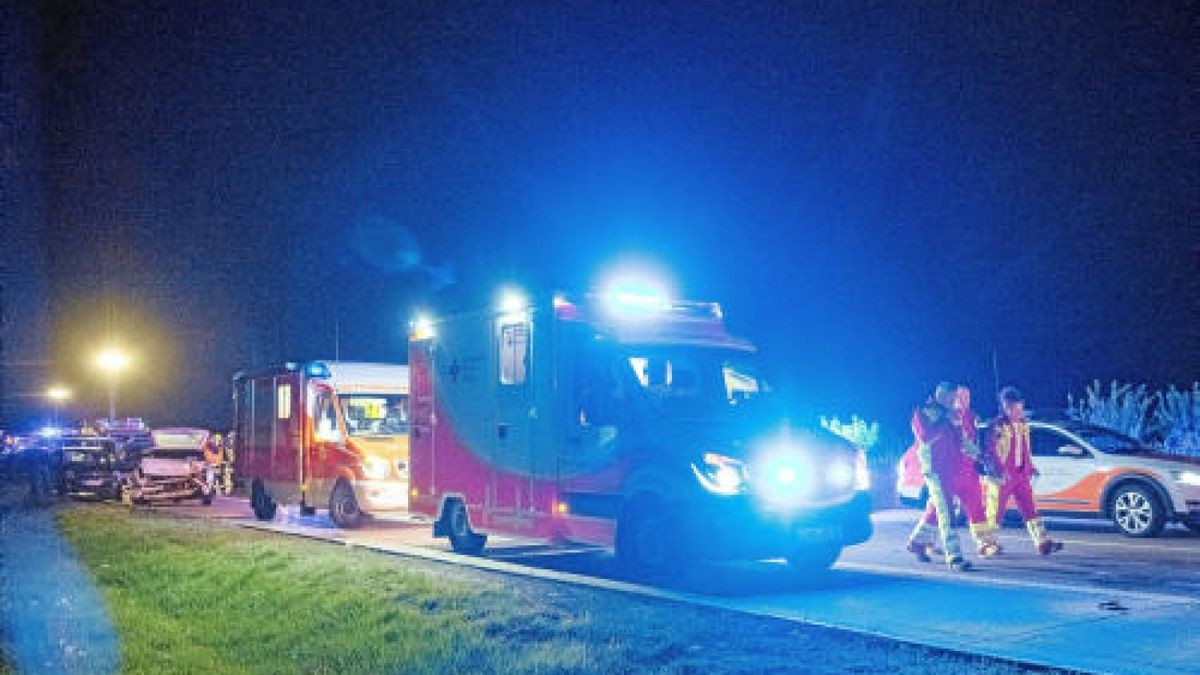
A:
1071	451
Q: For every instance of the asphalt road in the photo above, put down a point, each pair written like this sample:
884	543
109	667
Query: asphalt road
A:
1106	603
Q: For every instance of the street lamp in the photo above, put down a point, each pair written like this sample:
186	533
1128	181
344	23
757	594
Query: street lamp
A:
57	396
112	361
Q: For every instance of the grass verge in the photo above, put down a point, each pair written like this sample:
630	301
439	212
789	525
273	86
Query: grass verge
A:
197	596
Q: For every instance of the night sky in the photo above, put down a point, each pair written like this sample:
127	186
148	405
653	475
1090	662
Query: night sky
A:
880	196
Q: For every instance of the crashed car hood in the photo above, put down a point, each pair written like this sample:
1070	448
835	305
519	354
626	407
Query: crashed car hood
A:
161	466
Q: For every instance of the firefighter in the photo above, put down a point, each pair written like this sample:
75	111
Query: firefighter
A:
949	472
214	457
1009	447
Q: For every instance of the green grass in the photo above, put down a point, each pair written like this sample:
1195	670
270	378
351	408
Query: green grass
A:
194	596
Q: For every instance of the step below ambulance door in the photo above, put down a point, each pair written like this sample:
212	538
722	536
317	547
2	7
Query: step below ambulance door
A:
512	482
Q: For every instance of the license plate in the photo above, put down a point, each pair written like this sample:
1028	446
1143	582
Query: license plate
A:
819	534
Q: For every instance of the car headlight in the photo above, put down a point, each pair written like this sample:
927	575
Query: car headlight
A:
720	474
1187	477
375	468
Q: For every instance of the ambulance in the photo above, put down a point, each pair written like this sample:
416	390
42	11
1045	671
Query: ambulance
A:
323	434
623	420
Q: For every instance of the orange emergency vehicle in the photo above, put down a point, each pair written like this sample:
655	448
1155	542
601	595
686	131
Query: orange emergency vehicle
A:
324	434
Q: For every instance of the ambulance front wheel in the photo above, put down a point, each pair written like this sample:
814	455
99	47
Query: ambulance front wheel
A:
264	507
648	542
343	506
458	527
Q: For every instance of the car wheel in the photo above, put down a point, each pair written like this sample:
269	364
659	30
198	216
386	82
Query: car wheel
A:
648	541
815	559
1136	511
458	526
343	507
1194	526
264	507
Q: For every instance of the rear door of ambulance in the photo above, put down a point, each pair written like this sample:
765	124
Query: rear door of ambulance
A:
512	475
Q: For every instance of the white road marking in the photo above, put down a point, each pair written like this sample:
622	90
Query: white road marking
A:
977	577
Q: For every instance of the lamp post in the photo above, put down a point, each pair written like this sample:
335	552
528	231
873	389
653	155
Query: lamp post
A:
57	396
112	361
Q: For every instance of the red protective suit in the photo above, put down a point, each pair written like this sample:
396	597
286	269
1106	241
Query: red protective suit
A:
958	472
1009	449
940	438
1008	445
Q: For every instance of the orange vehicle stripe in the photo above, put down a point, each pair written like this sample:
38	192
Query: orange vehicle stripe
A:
1085	495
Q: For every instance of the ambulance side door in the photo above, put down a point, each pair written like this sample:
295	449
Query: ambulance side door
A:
512	465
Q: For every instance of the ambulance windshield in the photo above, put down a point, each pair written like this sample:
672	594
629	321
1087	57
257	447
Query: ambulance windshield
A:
375	414
688	382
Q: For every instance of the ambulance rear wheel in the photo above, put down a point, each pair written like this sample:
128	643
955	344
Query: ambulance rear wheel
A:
343	507
264	507
458	527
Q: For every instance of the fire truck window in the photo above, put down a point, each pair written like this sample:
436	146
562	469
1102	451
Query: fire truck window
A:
514	353
283	401
375	415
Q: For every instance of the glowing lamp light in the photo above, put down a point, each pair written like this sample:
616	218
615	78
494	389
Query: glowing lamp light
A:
422	328
785	475
112	360
512	302
58	394
634	298
50	432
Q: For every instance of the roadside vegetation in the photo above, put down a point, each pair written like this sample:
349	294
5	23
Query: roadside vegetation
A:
196	596
1168	420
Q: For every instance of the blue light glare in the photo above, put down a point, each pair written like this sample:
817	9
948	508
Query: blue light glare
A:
632	298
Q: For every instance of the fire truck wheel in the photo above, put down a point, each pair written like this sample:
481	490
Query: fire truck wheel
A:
264	507
462	538
207	498
343	507
647	542
815	559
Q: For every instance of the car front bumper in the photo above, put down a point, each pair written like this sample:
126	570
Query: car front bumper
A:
737	528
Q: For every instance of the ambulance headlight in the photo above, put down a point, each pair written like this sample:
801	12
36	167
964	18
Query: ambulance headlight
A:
375	468
1187	477
720	474
782	477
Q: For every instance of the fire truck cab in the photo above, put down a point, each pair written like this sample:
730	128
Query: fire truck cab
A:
636	423
323	434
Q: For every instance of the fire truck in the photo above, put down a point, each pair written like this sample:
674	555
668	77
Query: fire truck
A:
632	422
327	434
